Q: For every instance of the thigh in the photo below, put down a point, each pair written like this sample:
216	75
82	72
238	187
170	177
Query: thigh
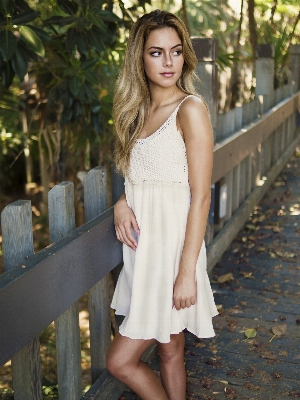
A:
128	350
173	348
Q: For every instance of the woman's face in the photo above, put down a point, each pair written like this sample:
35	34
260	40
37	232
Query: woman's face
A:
163	59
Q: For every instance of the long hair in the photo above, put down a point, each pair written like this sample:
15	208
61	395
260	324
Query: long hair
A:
132	96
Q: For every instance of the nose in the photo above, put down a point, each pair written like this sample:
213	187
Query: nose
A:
168	61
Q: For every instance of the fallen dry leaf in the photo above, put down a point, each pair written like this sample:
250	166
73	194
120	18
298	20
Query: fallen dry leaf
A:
231	325
278	330
250	333
225	278
247	274
285	254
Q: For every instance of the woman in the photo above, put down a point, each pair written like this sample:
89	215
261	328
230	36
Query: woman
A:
164	149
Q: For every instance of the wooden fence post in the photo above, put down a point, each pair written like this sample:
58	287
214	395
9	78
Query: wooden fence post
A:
99	299
17	244
67	331
206	50
295	64
265	73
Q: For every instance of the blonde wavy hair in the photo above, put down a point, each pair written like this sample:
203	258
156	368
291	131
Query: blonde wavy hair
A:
132	96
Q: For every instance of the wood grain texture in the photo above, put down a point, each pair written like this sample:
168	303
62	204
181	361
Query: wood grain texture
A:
99	297
58	276
230	230
231	151
67	332
17	245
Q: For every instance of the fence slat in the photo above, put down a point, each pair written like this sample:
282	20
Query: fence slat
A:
61	223
99	298
16	224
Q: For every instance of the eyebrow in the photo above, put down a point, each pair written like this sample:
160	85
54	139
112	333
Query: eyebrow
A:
160	48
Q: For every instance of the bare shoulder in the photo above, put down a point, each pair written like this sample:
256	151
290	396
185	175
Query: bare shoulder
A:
192	104
192	115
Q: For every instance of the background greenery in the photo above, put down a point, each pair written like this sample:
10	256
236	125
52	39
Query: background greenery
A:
59	61
58	64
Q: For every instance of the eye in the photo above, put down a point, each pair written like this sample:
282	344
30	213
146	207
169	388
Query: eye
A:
178	52
155	53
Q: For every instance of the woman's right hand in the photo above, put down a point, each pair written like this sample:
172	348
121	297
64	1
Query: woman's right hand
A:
124	219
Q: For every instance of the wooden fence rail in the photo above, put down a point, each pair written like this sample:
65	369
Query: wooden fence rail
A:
37	289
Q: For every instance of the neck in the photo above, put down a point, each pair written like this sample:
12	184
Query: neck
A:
162	96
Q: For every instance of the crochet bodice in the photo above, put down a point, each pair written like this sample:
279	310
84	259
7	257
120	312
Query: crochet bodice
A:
161	157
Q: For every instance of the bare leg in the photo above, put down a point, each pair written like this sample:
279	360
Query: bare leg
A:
172	369
124	362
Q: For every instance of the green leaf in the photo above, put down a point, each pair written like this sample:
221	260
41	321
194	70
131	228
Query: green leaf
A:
96	123
108	16
32	40
27	51
74	85
89	63
71	39
56	20
7	74
90	94
82	43
67	99
25	17
41	33
66	116
91	77
68	6
95	40
19	63
8	44
77	109
6	7
250	333
22	5
97	21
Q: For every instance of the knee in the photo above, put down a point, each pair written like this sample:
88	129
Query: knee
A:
117	367
171	351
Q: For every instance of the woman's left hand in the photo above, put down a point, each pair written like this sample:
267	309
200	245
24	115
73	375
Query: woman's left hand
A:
184	294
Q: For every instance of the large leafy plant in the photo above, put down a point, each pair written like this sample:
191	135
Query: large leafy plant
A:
20	41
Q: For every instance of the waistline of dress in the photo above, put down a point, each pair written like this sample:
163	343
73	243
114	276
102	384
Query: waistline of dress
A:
157	183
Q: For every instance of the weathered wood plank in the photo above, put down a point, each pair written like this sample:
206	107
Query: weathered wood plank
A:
67	332
98	299
57	276
225	237
238	146
16	224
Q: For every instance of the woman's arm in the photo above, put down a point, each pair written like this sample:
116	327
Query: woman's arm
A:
124	218
195	124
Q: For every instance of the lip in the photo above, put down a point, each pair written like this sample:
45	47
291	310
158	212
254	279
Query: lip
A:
167	74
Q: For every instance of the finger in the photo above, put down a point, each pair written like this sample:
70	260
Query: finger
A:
129	241
183	304
188	303
129	236
177	304
135	226
193	301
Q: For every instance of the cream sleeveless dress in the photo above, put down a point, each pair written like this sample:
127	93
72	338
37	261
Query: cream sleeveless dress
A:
158	193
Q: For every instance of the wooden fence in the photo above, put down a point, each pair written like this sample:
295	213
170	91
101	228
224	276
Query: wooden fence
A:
37	289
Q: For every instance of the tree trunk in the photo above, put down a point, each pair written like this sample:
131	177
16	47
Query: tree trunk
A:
44	172
185	16
28	158
252	27
235	81
274	6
